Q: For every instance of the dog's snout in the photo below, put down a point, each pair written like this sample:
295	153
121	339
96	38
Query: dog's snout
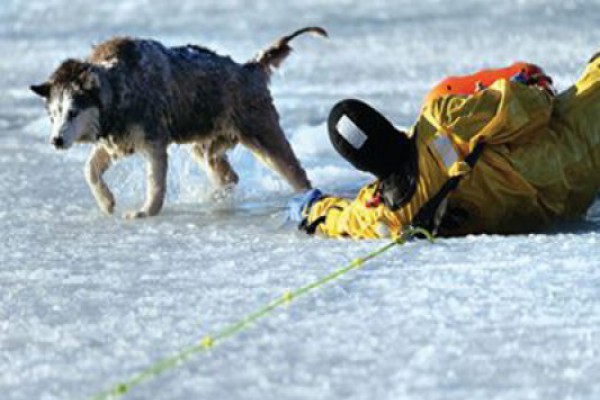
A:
57	142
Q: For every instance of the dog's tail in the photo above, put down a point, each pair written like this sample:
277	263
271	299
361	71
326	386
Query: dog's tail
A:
273	56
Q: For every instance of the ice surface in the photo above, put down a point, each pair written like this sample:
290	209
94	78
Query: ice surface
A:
88	300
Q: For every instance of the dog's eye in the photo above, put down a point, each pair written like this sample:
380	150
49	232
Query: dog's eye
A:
71	114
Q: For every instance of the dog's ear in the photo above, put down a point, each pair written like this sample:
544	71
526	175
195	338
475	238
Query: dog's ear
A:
42	89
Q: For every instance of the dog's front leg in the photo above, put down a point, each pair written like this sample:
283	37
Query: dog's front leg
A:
156	172
97	163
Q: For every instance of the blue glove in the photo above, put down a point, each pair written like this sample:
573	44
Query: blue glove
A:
299	203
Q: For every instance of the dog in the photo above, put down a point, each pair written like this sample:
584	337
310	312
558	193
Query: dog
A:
137	95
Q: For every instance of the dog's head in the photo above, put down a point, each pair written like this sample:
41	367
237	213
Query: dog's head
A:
73	102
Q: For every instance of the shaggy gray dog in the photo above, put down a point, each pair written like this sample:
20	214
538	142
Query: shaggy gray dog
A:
133	95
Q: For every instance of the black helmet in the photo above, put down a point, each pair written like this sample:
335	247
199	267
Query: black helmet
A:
367	140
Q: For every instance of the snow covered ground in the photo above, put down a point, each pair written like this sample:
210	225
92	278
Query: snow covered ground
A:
88	300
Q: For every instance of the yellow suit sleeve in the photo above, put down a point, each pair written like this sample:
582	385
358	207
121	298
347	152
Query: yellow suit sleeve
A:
354	218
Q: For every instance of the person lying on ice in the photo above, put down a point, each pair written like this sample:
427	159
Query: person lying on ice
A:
526	159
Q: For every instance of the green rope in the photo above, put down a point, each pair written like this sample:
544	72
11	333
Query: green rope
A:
209	341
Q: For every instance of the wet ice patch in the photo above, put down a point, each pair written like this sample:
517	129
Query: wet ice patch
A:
312	141
335	177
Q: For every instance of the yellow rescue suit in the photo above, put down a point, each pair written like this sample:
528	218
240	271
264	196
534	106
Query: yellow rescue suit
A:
540	163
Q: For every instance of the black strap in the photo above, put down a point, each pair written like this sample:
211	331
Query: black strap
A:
425	218
311	227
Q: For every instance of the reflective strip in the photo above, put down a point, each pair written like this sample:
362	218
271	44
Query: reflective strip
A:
444	147
352	133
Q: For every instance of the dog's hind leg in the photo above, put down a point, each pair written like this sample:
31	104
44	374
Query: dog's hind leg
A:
97	163
156	175
216	165
267	141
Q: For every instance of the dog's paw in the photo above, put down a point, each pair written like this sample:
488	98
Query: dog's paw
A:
135	214
107	207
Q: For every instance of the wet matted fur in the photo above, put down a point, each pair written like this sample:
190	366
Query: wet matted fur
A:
135	95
